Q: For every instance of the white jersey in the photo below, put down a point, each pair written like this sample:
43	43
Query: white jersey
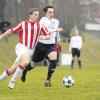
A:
51	25
75	42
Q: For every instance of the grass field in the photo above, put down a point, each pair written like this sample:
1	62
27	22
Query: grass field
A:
87	80
86	87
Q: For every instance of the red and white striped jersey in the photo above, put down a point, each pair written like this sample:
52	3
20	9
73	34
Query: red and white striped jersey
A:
29	32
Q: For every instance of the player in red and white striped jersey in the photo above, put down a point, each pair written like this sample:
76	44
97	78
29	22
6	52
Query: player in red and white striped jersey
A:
29	33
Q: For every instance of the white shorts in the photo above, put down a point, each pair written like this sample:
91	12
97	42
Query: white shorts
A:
20	49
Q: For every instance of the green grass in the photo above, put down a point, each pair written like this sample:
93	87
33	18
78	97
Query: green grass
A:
86	87
87	80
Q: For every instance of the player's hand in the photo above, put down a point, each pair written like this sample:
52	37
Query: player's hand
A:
44	37
59	30
41	37
59	44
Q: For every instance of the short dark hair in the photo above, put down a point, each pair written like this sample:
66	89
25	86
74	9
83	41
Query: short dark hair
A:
45	9
31	10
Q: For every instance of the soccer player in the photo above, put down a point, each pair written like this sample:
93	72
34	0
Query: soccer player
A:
75	46
46	47
29	33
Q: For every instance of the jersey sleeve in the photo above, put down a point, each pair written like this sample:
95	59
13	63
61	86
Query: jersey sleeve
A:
57	33
44	30
17	28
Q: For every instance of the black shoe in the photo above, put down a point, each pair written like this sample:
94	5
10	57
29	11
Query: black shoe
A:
23	77
47	83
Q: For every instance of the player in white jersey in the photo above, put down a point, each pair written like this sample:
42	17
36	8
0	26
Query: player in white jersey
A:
46	48
75	46
29	33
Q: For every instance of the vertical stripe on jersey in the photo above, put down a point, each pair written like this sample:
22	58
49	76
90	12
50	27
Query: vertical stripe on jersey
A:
37	35
20	38
29	35
23	27
35	32
26	32
32	34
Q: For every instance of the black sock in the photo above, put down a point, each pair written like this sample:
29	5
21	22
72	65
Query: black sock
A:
27	68
79	63
51	69
72	64
50	72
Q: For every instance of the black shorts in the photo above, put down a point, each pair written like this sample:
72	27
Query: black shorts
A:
41	51
75	52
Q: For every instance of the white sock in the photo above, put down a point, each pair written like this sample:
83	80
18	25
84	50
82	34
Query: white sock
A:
16	74
3	76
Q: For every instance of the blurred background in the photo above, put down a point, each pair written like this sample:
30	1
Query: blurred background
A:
69	12
83	13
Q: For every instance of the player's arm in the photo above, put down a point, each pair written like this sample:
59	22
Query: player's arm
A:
42	37
59	29
44	30
46	34
11	31
6	34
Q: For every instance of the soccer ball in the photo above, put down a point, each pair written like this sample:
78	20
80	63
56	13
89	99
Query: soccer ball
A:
68	81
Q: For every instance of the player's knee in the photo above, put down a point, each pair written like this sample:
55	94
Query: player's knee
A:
24	59
24	63
11	70
53	55
33	64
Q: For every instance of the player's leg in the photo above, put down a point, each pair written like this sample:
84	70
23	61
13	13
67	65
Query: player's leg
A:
58	58
8	72
72	63
24	58
79	62
79	59
12	68
38	56
52	66
27	68
73	57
